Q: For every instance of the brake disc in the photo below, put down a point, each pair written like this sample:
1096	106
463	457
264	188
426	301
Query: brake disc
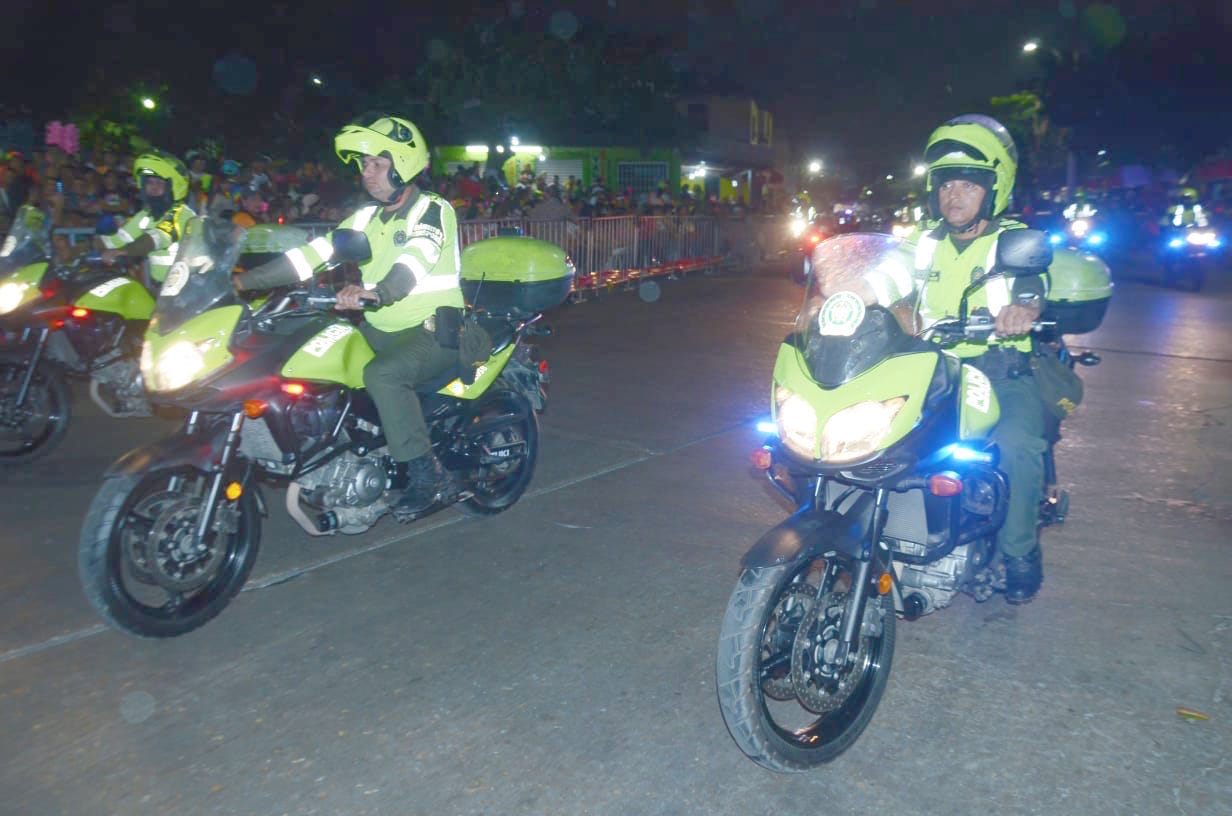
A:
792	609
174	562
822	685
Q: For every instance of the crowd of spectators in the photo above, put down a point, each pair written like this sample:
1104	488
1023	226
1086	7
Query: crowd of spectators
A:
476	196
95	190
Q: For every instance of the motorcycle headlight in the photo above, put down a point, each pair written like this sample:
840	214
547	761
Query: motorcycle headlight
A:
901	230
858	430
1080	227
11	295
797	227
797	423
175	368
1202	238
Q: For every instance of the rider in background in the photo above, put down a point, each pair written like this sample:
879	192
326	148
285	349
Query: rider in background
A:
154	232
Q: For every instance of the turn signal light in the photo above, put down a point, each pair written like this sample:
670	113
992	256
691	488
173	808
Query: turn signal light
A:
253	409
80	312
945	484
293	388
885	583
543	366
234	491
761	459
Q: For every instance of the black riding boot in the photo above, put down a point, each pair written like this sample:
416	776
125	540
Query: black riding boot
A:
427	484
1023	576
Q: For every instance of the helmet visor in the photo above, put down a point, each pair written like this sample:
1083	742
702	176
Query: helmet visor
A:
951	149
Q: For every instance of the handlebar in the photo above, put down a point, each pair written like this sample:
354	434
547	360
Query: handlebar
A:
977	326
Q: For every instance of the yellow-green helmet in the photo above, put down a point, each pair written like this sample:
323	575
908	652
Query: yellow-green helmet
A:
378	134
166	167
975	147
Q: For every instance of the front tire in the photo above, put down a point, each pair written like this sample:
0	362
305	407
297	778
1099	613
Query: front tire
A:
137	564
39	425
786	707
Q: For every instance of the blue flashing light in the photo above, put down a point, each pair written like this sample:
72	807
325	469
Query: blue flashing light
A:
767	426
1176	243
1216	244
961	453
1097	238
1054	238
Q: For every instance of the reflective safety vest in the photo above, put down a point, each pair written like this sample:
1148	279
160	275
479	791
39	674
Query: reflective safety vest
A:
166	234
942	273
424	239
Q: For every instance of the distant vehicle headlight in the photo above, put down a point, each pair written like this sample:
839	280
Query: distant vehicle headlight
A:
1080	227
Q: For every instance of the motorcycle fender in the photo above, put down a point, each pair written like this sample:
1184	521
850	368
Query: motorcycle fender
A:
201	450
810	534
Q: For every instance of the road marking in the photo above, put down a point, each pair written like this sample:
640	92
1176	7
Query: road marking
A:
291	574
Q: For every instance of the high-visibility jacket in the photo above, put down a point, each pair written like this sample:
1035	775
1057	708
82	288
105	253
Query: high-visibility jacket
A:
942	272
165	232
423	239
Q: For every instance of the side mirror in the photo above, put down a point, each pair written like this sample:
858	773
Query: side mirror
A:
351	245
1023	251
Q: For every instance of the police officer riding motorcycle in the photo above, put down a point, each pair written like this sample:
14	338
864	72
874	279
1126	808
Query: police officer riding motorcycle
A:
154	232
410	282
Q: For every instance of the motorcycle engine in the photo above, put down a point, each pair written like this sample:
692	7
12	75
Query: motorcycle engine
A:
347	481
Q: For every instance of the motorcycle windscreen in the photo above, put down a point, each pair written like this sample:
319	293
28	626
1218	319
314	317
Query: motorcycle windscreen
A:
200	278
845	326
28	240
834	361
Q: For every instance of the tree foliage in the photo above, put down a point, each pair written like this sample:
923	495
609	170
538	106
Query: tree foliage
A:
1042	146
503	78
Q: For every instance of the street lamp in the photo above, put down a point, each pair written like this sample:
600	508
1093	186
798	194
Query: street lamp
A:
815	166
919	170
889	177
1030	46
148	103
316	80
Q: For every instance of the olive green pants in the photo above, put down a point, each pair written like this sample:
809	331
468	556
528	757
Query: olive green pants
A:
403	360
1020	437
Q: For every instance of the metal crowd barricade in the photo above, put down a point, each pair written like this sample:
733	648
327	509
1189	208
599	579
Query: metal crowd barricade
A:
605	251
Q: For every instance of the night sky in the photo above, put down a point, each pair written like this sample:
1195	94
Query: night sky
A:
860	82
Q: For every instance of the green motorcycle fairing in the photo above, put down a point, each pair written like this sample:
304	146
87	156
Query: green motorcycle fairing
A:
338	353
978	410
905	375
209	333
120	295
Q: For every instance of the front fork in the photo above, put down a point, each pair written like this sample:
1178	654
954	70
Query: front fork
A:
39	345
206	516
853	615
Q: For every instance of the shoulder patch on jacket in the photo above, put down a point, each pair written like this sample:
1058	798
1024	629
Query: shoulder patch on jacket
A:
432	215
429	225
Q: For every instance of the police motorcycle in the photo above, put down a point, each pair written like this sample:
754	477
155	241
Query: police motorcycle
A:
881	443
59	321
1188	244
274	394
1082	226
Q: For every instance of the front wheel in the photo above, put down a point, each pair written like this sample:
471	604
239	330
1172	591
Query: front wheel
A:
139	565
35	427
786	701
